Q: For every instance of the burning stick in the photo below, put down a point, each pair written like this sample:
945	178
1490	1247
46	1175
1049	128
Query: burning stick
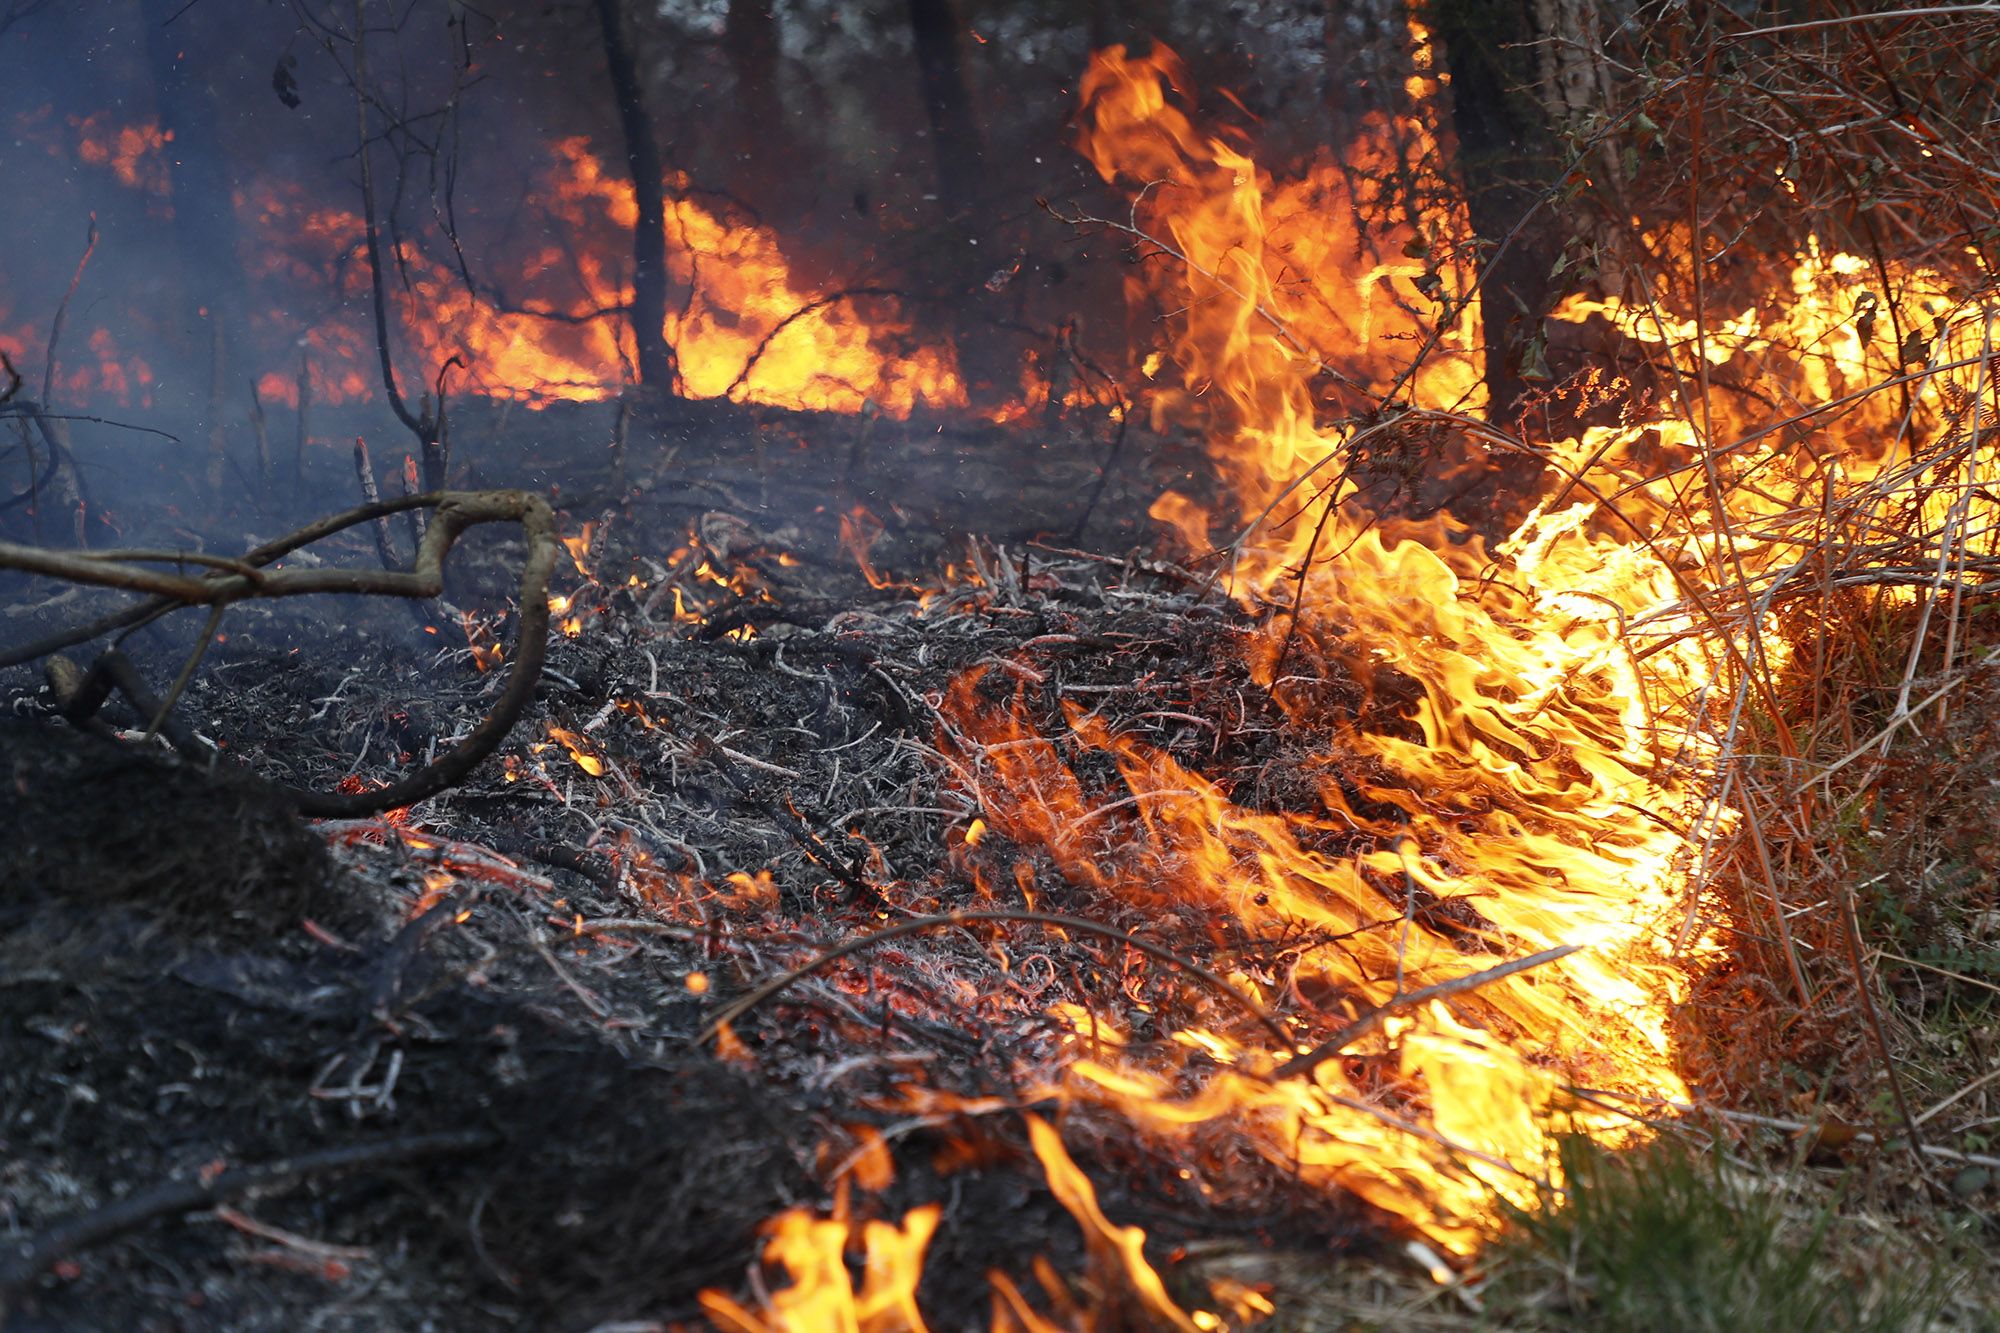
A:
62	310
1301	1065
738	1008
410	487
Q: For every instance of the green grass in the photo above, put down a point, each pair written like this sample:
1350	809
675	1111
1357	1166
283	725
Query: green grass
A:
1667	1239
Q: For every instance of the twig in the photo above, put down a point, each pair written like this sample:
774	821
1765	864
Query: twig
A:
1300	1065
62	311
27	1260
737	1008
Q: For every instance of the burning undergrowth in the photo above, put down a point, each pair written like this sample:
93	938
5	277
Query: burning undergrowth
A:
691	806
1316	889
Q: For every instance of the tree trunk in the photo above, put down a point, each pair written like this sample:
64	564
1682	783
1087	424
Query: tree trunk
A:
983	363
954	134
1507	153
750	37
213	290
657	365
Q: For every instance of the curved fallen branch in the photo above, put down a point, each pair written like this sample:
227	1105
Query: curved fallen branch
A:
455	512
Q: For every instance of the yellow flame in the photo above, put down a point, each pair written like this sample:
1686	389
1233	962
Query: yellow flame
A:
822	1297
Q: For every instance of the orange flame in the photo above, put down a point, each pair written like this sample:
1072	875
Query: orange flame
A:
1519	782
745	327
822	1297
135	153
1116	1254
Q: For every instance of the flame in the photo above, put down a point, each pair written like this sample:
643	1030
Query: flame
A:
579	751
1524	758
822	1297
1539	767
859	531
745	326
99	371
1116	1254
135	153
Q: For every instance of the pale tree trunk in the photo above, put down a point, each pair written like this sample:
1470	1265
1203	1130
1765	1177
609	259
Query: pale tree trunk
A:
1574	84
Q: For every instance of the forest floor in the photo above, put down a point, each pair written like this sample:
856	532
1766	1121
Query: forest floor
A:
496	999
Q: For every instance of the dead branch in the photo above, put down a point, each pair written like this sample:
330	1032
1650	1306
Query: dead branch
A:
25	1261
364	472
83	693
456	511
62	311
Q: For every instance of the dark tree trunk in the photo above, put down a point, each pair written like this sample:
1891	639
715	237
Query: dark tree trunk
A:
983	363
750	36
214	301
1506	156
954	133
657	366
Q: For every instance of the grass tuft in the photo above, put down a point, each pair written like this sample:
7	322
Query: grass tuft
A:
1666	1238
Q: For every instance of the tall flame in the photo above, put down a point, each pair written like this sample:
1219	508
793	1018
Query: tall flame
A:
1537	777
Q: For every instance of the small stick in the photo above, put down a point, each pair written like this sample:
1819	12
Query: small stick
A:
305	411
180	684
371	496
1300	1065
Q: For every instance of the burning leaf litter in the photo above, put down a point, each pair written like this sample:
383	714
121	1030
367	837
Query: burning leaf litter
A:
1352	869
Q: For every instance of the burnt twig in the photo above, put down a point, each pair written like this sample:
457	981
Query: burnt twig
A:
736	1009
24	1262
364	472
